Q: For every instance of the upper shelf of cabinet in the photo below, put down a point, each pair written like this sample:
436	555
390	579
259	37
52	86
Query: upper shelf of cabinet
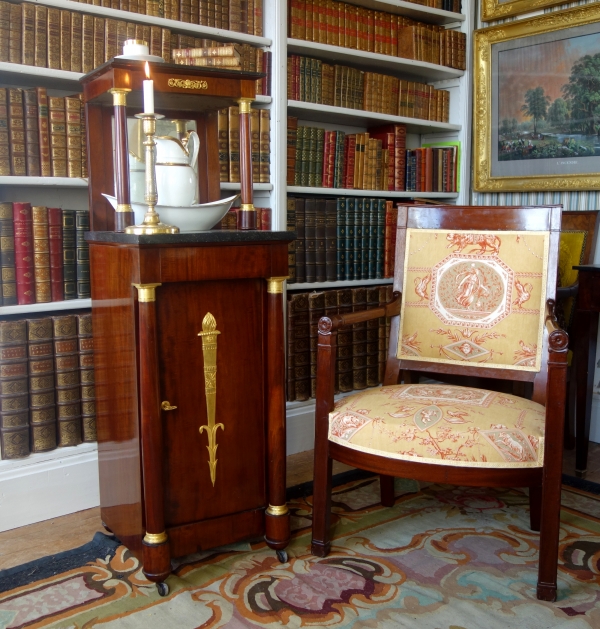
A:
197	30
360	118
372	61
411	10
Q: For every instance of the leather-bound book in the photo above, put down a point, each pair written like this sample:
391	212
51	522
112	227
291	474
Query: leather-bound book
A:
41	254
300	239
65	40
310	230
16	132
234	144
4	136
185	12
320	240
29	20
378	240
68	391
76	42
389	249
311	156
122	35
32	135
69	255
55	242
155	40
350	232
40	351
357	242
331	308
372	339
58	135
319	156
291	226
110	39
44	132
87	43
99	27
84	154
14	398
330	240
298	304
255	141
292	139
299	156
265	146
223	131
53	39
86	376
344	352
382	331
359	341
7	255
23	226
4	31
82	225
16	34
316	310
340	203
74	136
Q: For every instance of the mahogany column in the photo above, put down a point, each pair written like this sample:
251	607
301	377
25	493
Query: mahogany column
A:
246	218
157	559
124	212
277	525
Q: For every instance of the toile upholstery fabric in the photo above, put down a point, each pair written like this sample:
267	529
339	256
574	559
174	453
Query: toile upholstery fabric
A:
474	297
442	424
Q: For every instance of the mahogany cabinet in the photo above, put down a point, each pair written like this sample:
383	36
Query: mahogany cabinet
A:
160	304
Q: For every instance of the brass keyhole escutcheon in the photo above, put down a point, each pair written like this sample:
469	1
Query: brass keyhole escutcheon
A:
166	406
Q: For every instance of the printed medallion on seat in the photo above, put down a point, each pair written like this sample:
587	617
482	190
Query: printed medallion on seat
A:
442	424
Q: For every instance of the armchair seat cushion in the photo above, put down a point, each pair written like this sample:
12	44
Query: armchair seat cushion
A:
442	424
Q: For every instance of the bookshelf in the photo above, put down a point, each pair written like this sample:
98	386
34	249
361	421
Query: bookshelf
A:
340	192
51	306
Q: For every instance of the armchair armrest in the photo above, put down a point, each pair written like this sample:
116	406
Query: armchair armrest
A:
564	292
333	323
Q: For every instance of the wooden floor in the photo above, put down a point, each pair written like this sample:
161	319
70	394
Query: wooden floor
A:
52	536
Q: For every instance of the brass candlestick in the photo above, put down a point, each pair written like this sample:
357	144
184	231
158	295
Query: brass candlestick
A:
151	223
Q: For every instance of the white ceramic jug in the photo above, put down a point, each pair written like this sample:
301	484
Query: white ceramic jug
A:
176	178
137	178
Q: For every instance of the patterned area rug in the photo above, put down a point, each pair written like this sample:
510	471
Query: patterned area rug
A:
441	558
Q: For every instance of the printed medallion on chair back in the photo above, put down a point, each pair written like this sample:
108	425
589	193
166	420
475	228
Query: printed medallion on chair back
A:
474	297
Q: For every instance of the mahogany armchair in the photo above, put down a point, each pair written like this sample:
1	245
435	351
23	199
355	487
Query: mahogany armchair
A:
474	288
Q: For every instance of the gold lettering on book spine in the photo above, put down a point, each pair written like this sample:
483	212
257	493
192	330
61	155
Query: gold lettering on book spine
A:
209	350
188	84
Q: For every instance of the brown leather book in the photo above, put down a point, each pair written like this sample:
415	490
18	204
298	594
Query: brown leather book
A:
84	161
235	15
29	18
41	255
111	44
58	135
14	398
32	136
44	132
16	132
234	144
382	332
316	310
372	347
265	146
65	39
4	135
223	132
4	31
74	136
7	255
40	351
99	38
68	391
16	34
344	352
86	376
87	44
74	57
258	18
298	304
300	242
53	39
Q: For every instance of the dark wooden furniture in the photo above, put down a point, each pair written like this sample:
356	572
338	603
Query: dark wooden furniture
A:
178	476
114	89
548	388
586	325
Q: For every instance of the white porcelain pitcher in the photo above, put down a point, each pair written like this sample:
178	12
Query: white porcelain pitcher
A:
137	178
176	178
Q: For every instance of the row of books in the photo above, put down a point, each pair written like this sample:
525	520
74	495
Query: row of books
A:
342	24
41	135
361	348
59	39
228	122
263	219
348	238
241	16
43	254
47	391
313	81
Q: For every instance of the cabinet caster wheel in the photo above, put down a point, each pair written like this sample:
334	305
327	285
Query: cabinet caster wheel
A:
162	588
282	556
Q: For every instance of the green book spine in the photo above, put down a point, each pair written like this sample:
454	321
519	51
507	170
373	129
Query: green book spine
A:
380	245
372	240
312	158
314	80
305	157
69	259
350	229
339	159
341	238
366	234
291	226
358	230
82	269
319	156
299	156
302	90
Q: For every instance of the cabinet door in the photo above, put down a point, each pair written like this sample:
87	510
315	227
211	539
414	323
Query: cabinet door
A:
238	308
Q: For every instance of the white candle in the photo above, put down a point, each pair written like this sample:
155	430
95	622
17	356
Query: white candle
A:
148	88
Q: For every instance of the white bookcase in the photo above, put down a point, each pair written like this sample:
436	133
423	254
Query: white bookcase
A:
63	481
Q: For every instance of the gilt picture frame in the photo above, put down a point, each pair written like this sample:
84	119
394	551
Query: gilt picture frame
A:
500	9
536	119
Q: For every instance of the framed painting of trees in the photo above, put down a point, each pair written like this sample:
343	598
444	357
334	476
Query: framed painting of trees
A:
537	103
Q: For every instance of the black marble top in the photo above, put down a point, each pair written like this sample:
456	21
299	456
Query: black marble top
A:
217	236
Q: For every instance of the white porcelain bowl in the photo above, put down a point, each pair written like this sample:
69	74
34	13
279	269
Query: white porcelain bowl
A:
195	218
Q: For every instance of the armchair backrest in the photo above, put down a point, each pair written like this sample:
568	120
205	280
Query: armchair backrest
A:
475	282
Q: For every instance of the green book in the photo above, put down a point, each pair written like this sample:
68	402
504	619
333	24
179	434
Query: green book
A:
350	229
305	157
302	81
341	238
381	204
358	235
338	170
312	157
319	157
299	156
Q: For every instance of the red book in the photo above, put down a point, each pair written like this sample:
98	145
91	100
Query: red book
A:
393	139
400	157
263	215
55	240
350	161
389	250
345	161
23	225
326	152
428	154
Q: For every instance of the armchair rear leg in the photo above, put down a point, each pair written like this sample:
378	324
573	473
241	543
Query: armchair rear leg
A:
535	507
386	485
549	533
321	521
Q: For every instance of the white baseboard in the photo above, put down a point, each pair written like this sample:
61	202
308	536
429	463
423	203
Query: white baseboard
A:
48	485
300	426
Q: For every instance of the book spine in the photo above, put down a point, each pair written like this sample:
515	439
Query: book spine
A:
32	137
223	135
310	227
98	54
4	134
316	309
16	132
74	137
55	242
292	140
291	226
14	398
341	238
372	339
82	225
331	240
58	136
53	39
350	231
33	45
320	245
69	257
86	377
4	31
301	335
66	49
391	218
344	355
7	256
68	385
300	239
359	345
15	34
23	228
265	146
41	255
234	144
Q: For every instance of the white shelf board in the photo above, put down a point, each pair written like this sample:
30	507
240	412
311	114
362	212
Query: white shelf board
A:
262	100
339	284
32	460
349	192
361	118
207	32
53	182
51	306
32	76
421	70
225	185
412	10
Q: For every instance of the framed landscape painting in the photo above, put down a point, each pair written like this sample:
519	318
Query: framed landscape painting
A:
537	103
499	9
